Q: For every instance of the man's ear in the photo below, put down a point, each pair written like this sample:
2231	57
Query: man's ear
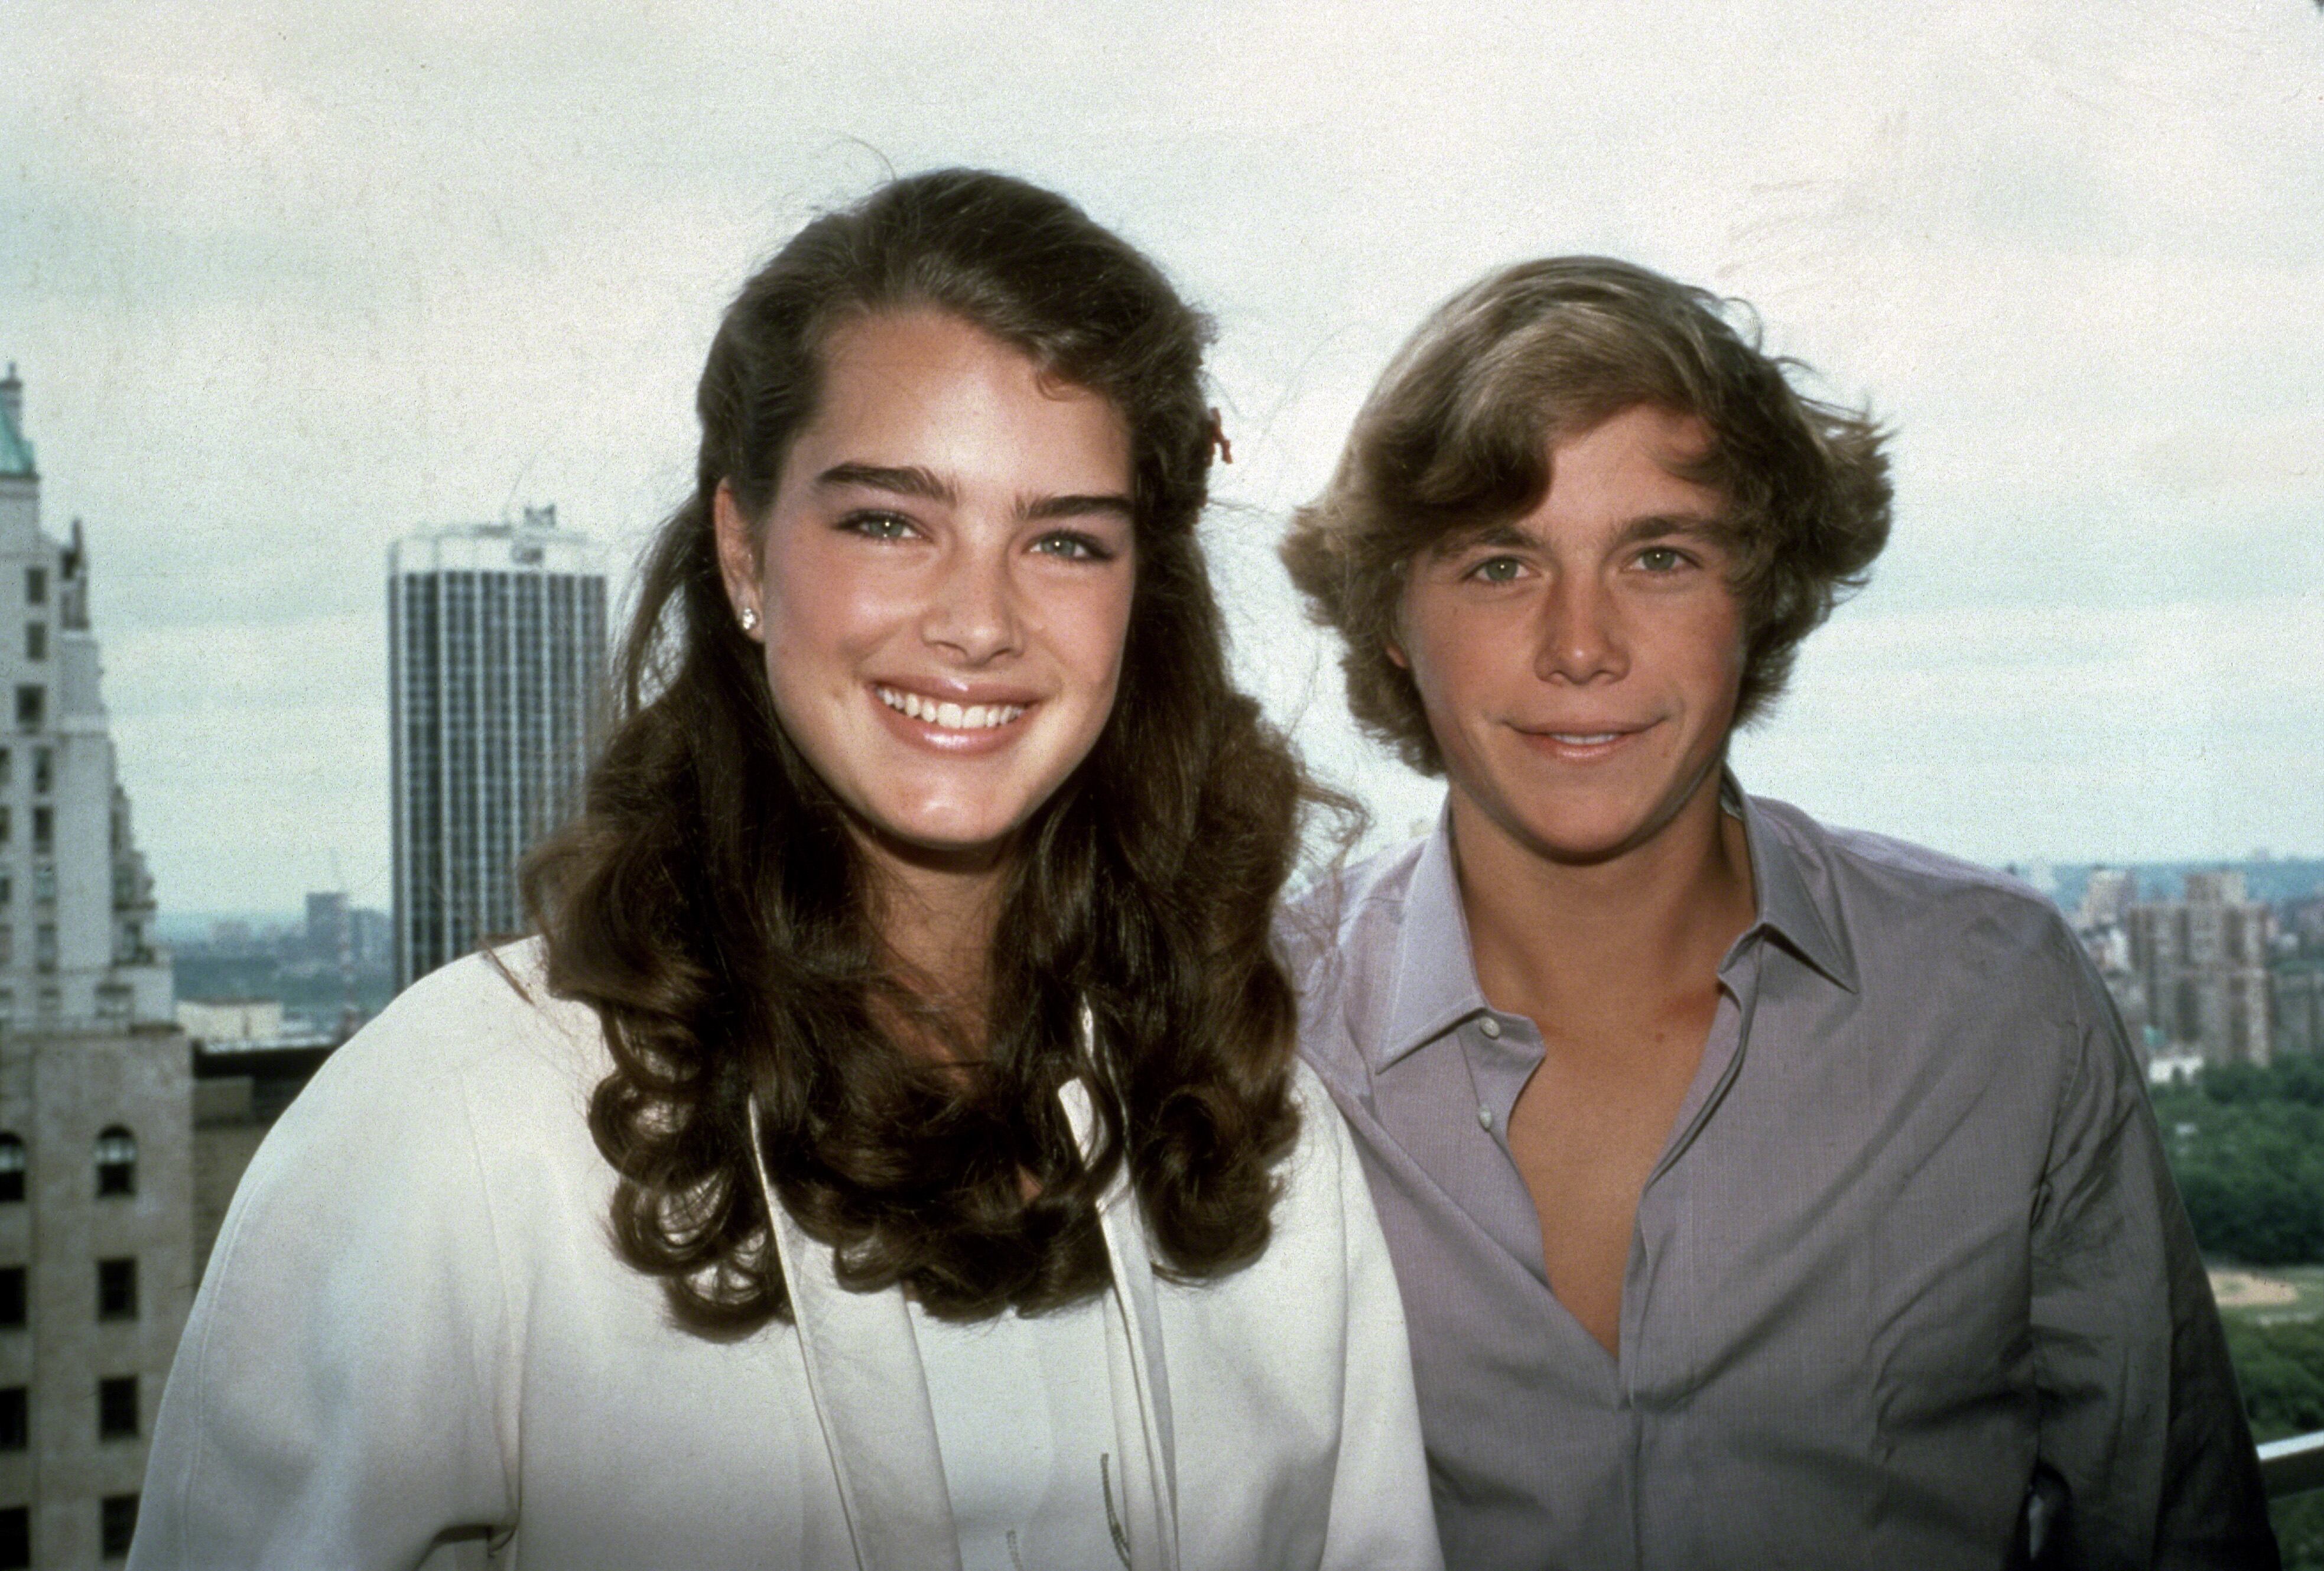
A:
1392	641
738	555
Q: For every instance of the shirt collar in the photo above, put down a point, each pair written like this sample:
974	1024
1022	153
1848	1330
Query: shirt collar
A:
1436	985
1791	909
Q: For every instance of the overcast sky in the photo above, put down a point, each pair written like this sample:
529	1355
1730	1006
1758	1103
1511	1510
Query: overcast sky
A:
287	281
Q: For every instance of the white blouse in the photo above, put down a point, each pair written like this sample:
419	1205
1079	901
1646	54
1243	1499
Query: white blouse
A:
415	1346
1024	1420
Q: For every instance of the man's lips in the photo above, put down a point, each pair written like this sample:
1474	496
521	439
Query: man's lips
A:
1582	740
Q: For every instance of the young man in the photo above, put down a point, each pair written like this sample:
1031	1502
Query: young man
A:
1761	1194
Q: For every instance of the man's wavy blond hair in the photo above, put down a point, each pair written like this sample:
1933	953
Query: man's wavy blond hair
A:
1457	436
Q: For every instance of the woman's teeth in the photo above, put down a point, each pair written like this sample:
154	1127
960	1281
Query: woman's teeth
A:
950	716
1575	739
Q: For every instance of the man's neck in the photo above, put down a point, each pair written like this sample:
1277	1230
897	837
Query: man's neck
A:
1581	943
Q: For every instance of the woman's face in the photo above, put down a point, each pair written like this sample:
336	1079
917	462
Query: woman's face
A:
942	583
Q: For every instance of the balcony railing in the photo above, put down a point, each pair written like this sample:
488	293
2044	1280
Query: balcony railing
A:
2292	1466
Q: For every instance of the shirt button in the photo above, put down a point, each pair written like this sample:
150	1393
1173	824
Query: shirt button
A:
1484	1117
1490	1027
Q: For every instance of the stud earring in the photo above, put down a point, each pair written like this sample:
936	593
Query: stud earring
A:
750	620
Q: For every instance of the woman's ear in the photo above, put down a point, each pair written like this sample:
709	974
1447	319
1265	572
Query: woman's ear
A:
738	557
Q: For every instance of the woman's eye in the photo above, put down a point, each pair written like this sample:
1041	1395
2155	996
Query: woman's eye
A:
1073	547
1661	560
1496	570
877	526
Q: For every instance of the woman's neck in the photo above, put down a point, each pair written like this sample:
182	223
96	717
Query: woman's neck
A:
936	919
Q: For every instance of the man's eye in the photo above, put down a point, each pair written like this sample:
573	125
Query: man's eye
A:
1661	560
1496	570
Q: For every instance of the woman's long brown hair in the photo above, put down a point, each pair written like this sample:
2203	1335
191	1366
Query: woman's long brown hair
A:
709	900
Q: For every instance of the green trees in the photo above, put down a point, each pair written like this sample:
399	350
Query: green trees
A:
2248	1147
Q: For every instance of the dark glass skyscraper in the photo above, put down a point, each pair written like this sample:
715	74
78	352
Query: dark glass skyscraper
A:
496	656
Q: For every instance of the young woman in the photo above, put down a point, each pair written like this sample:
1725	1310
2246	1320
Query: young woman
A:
890	1154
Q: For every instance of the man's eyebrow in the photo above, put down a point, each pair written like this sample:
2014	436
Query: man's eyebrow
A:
908	481
1078	505
1710	528
1502	533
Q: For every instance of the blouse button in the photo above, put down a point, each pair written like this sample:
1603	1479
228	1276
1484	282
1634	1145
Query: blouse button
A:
1484	1117
1490	1027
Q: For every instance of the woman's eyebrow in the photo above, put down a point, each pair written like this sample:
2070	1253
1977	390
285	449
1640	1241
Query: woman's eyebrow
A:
909	480
1075	506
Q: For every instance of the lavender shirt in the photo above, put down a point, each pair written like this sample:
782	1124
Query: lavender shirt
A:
1912	1240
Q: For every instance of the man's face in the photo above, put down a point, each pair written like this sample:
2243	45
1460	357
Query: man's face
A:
1579	665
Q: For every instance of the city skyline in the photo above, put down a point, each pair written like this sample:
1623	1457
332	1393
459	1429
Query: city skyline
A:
302	280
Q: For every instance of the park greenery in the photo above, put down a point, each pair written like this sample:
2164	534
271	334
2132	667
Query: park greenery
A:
2246	1145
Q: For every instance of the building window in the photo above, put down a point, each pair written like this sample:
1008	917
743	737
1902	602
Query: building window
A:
36	585
12	1168
116	1525
12	1295
44	949
116	1161
36	641
15	1418
45	881
32	707
44	770
5	766
7	944
7	889
116	1290
117	1408
44	830
7	826
16	1537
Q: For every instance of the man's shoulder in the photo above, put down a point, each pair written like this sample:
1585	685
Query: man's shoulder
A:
1896	899
1363	899
1342	939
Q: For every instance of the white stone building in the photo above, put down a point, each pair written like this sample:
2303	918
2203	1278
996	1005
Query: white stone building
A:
97	1253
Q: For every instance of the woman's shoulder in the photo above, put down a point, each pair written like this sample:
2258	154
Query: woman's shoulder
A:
488	1018
471	1066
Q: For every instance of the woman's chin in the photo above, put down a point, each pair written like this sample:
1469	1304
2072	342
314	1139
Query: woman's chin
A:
942	844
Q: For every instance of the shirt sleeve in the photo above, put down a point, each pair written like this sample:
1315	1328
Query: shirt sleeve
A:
332	1403
2139	1417
1382	1518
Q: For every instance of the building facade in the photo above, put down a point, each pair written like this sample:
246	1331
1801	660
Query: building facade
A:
97	1256
497	657
2203	962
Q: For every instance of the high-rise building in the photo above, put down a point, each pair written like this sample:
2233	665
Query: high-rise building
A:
2203	960
2108	894
96	1259
497	654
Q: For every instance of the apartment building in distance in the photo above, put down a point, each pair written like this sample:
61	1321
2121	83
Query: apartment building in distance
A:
2202	960
497	657
96	1267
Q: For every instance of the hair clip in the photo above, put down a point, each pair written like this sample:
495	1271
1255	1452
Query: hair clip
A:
1219	443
